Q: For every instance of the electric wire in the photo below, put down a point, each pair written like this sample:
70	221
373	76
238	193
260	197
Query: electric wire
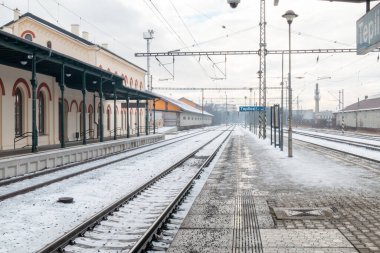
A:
192	36
177	35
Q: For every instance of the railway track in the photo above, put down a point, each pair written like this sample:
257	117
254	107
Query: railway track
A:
361	161
366	145
130	223
34	182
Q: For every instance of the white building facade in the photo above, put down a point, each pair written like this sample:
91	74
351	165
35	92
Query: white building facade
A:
16	90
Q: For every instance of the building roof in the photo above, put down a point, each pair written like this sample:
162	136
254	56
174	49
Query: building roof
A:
183	99
183	106
70	34
366	104
14	50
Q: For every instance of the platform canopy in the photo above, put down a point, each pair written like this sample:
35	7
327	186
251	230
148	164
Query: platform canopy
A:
15	52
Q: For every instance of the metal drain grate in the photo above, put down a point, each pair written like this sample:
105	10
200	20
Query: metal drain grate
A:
319	213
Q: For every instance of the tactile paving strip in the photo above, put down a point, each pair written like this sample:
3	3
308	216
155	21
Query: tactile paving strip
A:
246	235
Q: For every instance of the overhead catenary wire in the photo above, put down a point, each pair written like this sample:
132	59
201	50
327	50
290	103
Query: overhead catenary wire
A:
176	35
192	36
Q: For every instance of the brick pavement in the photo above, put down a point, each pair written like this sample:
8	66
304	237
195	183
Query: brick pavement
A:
235	210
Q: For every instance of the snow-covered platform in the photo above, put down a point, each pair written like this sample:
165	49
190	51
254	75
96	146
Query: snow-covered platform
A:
259	200
22	164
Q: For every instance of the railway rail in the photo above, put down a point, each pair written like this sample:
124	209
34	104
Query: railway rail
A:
366	145
164	192
34	181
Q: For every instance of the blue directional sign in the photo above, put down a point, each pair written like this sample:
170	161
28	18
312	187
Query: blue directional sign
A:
251	108
368	31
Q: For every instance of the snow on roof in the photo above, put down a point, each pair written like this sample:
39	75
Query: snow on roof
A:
366	104
185	107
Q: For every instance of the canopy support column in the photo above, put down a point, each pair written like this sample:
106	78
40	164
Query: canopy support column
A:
138	116
62	122
34	106
146	117
128	133
154	116
101	127
84	109
114	114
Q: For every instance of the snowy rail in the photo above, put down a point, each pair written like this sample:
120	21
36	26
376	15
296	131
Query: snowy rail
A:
143	193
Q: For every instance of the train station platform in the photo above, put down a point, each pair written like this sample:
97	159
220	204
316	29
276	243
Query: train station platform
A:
257	199
21	162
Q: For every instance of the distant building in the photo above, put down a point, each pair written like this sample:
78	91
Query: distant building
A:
174	113
364	114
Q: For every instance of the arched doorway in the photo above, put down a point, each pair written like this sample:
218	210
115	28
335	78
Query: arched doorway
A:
65	116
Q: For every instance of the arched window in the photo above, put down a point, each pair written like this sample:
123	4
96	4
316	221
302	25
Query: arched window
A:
18	112
48	44
41	113
108	119
28	36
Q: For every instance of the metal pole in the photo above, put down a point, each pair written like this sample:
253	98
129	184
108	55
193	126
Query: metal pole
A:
226	110
154	116
84	108
128	124
101	126
114	113
34	106
146	117
290	140
62	86
282	105
342	111
138	117
203	97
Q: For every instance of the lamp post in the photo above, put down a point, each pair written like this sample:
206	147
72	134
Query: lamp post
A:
289	16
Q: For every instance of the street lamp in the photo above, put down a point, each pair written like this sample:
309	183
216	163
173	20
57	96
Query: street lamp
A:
289	16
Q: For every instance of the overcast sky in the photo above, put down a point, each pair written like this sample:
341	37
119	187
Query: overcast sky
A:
206	25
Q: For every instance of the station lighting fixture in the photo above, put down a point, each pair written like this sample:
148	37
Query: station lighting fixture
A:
290	16
24	62
68	74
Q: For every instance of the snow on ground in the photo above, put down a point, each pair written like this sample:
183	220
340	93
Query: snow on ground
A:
40	179
340	146
341	137
307	168
31	221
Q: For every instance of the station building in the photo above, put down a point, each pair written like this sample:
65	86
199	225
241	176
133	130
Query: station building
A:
364	115
174	113
56	86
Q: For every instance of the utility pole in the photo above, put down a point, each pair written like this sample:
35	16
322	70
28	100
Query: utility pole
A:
250	113
226	110
342	111
148	36
262	71
203	97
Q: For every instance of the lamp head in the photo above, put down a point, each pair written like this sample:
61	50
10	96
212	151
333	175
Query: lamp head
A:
289	16
233	3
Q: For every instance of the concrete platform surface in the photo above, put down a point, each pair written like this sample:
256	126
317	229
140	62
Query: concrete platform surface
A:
252	182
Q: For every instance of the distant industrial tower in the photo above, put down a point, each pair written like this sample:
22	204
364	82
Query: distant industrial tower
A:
317	97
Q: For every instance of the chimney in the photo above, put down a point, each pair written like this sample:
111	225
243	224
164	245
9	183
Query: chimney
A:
365	97
16	14
85	35
75	29
105	45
